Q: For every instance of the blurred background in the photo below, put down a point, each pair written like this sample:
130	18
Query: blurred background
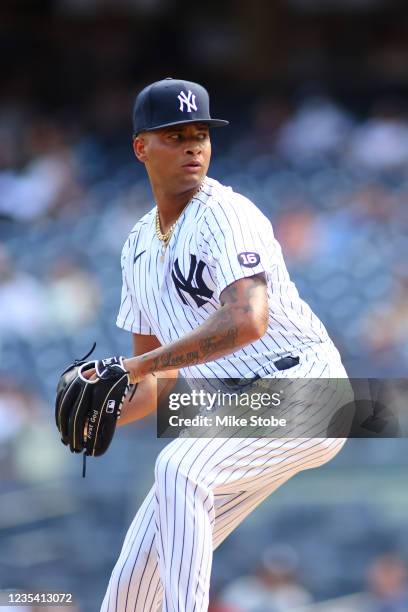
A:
316	92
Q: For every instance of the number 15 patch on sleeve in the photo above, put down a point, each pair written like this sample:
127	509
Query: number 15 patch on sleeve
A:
248	259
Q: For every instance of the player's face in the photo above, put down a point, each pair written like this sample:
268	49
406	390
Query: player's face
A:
177	157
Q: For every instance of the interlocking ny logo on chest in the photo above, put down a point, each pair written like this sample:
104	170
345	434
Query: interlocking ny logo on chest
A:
194	284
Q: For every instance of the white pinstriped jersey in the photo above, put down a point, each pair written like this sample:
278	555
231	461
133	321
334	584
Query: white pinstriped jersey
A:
220	237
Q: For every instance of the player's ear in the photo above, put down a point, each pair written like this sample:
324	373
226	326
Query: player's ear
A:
139	147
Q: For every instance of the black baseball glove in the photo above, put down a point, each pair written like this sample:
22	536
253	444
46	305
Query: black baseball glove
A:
86	411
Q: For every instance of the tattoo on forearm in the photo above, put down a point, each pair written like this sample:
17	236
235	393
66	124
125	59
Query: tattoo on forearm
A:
213	344
209	347
155	364
169	359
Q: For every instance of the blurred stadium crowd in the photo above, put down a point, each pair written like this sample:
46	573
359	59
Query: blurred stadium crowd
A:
335	186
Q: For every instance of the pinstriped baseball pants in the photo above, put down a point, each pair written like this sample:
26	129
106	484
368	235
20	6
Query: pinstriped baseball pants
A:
203	489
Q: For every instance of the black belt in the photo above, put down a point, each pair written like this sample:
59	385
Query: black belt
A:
284	363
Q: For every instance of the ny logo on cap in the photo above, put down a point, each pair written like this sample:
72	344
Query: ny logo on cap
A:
188	100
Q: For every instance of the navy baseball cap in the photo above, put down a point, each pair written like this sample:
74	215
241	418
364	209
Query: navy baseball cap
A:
172	102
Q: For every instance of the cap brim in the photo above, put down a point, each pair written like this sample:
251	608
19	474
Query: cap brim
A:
210	122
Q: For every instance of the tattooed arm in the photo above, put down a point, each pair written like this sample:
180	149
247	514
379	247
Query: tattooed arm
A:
241	319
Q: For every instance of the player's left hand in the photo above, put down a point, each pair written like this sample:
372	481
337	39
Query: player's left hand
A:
89	399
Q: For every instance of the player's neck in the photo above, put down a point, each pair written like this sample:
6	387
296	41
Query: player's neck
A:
171	205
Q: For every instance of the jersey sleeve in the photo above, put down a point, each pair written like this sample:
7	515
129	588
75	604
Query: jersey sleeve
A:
235	239
130	316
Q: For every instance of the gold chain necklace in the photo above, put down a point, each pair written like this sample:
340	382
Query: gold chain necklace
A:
165	238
